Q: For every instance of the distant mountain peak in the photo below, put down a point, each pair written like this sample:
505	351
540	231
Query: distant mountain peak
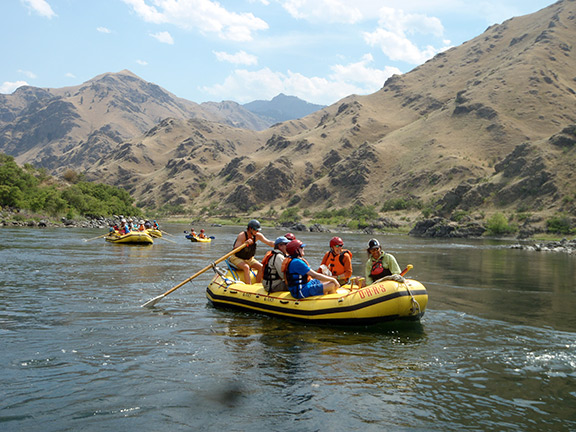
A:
282	108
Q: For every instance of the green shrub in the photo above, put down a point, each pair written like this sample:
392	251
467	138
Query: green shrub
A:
559	225
289	215
497	224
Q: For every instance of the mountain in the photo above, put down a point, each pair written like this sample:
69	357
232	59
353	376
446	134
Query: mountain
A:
488	126
282	108
75	126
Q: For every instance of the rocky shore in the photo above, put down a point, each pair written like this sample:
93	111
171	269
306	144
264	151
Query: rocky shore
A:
564	245
12	219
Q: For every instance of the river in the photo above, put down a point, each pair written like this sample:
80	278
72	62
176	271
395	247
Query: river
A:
496	349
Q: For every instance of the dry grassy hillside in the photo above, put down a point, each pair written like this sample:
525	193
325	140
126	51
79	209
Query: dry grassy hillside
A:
483	127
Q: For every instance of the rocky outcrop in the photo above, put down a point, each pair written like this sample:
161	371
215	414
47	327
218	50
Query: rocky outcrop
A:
440	227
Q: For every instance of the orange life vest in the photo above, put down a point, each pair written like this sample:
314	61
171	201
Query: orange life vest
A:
340	264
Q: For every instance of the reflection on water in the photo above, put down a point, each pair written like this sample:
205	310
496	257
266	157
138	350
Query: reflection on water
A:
495	350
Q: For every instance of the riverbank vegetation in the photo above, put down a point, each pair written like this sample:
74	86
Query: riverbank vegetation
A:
30	189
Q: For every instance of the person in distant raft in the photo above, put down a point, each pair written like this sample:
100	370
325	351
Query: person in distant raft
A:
302	281
244	259
381	264
337	261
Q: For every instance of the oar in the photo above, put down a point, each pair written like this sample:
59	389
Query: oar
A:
407	269
94	238
155	300
165	239
162	231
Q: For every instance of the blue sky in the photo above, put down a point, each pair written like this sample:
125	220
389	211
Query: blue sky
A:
239	50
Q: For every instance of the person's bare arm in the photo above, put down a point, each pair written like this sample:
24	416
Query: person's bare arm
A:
263	239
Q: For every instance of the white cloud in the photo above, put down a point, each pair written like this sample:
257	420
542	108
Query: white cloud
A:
354	78
142	62
369	78
334	11
8	87
70	75
28	74
392	36
41	7
206	16
398	21
241	57
163	37
103	30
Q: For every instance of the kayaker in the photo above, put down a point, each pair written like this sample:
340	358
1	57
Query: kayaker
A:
201	234
244	259
193	233
302	281
337	261
380	264
272	276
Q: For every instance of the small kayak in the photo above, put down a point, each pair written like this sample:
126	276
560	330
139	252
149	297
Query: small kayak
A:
133	237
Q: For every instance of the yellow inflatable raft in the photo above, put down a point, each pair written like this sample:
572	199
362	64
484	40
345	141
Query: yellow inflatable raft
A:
194	238
133	237
380	302
154	232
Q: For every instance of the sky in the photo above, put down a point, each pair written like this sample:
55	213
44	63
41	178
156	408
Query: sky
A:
238	50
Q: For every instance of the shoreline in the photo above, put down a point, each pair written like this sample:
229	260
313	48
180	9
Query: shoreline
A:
27	220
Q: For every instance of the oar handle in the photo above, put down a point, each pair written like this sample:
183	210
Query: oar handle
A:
407	269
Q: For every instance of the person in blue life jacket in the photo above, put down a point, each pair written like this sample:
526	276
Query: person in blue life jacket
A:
302	281
381	265
244	259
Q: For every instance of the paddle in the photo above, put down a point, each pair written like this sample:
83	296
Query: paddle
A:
94	238
155	300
